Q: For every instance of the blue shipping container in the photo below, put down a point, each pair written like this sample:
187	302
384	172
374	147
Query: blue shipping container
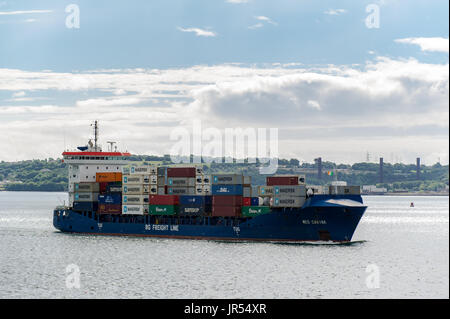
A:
194	210
192	199
234	190
254	201
85	206
112	198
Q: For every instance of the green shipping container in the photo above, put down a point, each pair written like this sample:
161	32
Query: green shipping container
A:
163	209
250	211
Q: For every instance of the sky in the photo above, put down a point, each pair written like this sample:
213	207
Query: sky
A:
338	79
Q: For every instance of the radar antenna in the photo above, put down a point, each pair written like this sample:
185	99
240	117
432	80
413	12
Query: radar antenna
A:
111	145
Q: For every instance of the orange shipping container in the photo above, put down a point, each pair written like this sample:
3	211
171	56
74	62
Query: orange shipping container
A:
108	177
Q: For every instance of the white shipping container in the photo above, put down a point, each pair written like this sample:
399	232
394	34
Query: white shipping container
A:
294	190
139	170
181	181
134	209
86	197
86	187
135	199
288	201
153	179
135	189
247	180
135	179
264	191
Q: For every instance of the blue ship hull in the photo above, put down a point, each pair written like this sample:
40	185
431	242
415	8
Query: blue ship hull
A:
322	218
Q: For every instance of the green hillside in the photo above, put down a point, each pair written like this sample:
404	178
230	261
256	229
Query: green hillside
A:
51	174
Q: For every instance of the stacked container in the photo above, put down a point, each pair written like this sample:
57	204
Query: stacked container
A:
286	191
85	196
181	180
196	205
227	194
137	183
163	204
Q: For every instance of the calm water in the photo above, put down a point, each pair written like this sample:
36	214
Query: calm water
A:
409	247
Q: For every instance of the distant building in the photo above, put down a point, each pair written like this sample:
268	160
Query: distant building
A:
373	189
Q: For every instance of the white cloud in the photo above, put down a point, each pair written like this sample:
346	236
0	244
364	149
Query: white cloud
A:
199	32
24	12
256	26
265	19
317	110
335	11
435	44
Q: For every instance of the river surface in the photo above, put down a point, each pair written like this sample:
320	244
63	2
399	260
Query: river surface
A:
397	252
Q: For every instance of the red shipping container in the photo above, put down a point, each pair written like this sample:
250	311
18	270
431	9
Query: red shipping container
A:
181	172
281	180
226	211
163	200
227	200
110	209
103	187
247	201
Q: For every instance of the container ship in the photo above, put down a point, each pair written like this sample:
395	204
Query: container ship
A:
109	195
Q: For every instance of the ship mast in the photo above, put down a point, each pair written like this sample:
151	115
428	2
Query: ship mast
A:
95	134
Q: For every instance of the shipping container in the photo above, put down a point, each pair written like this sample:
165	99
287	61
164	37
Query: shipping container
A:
265	191
246	201
181	181
247	191
108	177
288	201
226	211
163	209
136	179
194	210
199	179
282	180
164	200
135	199
192	199
251	211
227	190
298	190
86	187
181	172
227	179
218	200
161	191
114	189
103	187
143	170
344	190
153	180
181	190
207	179
86	197
161	182
111	198
161	171
115	209
85	206
135	189
134	209
254	201
247	180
